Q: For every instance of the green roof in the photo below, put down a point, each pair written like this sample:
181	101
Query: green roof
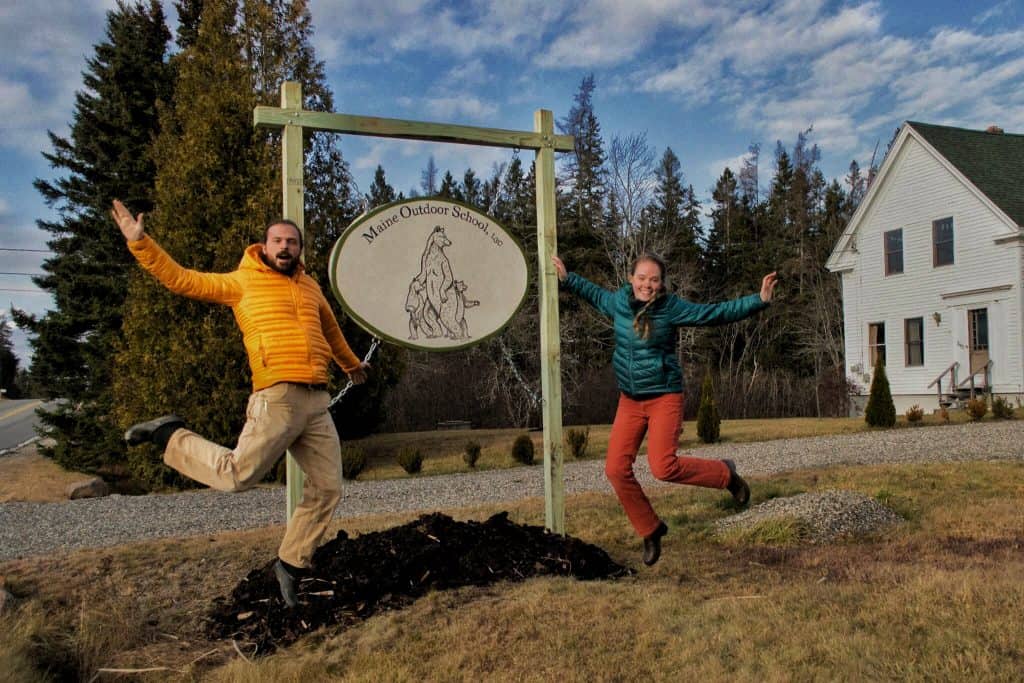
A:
993	162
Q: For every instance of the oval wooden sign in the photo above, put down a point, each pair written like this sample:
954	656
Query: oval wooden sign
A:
431	274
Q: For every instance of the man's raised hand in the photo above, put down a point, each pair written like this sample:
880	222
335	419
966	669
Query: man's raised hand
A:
130	227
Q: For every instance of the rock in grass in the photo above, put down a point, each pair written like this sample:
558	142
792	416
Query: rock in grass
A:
815	517
90	488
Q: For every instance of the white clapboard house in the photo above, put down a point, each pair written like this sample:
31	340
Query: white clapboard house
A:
932	265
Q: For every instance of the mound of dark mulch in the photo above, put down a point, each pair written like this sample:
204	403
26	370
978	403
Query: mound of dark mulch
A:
354	578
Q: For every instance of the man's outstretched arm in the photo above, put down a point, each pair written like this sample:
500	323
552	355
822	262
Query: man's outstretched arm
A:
221	288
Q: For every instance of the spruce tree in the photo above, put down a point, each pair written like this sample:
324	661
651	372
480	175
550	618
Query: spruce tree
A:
471	189
218	186
108	154
381	192
880	411
709	424
676	212
8	362
449	187
585	177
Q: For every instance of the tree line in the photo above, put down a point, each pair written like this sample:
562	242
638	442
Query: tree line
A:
166	127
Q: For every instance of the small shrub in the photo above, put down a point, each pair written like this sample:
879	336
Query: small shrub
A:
915	414
880	412
944	414
1002	408
522	449
577	439
410	459
353	461
471	453
976	408
709	424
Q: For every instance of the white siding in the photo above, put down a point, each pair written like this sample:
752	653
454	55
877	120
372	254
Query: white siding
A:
918	190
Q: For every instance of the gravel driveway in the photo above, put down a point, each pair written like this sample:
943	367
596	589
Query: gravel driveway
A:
42	528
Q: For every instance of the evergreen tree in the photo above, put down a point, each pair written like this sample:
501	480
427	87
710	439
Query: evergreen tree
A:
107	155
449	187
190	13
380	192
584	177
709	424
9	371
676	211
880	411
472	192
218	185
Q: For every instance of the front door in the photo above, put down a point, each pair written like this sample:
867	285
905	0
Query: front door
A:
977	334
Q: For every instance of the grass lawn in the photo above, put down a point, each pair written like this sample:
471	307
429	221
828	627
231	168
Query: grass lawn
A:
935	598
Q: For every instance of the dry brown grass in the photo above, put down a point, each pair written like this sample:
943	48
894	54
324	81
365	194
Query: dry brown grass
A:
28	476
932	599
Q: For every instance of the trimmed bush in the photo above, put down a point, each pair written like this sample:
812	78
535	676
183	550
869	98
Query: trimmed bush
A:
471	453
881	412
522	449
577	440
410	459
709	424
353	461
1001	408
915	414
976	408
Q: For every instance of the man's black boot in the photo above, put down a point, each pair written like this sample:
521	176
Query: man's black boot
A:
157	431
737	487
652	544
286	580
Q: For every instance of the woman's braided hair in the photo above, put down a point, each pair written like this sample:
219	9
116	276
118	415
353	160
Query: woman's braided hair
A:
641	321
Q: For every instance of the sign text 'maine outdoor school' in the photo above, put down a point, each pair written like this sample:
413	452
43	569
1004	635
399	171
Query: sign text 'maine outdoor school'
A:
431	274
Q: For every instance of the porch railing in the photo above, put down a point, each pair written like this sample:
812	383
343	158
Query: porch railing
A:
951	371
987	370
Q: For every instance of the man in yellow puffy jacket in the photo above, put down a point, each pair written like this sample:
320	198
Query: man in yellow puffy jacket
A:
290	335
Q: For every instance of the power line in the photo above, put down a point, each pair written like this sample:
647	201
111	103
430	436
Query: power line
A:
37	251
34	291
29	274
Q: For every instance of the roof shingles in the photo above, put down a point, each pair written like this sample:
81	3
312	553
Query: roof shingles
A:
993	162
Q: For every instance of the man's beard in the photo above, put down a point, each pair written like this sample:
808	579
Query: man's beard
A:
289	270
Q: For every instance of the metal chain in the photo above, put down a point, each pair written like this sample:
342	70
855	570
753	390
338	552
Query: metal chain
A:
349	385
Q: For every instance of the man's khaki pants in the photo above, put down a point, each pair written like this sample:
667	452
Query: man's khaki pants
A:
281	417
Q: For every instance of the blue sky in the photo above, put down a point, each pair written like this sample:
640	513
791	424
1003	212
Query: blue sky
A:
705	77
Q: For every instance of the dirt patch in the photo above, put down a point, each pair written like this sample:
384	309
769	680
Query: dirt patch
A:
354	578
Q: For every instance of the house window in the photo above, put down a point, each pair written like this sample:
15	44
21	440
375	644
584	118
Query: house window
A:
913	340
876	343
894	252
942	242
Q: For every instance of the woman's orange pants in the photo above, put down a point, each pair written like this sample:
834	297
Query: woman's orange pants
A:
661	419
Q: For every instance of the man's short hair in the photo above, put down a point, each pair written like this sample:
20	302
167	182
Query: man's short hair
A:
282	221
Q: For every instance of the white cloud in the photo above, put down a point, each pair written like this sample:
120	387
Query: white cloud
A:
993	12
460	107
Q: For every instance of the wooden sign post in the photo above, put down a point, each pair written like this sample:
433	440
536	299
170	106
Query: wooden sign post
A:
294	120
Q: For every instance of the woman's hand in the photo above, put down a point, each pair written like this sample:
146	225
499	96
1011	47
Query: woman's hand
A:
559	268
768	286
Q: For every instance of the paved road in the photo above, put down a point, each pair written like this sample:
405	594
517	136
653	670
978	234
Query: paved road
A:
17	421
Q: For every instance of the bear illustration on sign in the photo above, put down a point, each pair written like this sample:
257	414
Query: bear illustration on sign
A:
436	302
453	311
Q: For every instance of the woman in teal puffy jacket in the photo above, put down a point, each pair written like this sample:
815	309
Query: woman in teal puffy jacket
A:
645	318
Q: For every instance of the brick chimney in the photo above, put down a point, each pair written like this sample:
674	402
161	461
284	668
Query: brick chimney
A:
995	130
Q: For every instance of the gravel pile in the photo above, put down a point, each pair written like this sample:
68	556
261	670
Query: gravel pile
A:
827	515
43	528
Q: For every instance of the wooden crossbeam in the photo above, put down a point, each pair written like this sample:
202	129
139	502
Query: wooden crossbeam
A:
410	130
